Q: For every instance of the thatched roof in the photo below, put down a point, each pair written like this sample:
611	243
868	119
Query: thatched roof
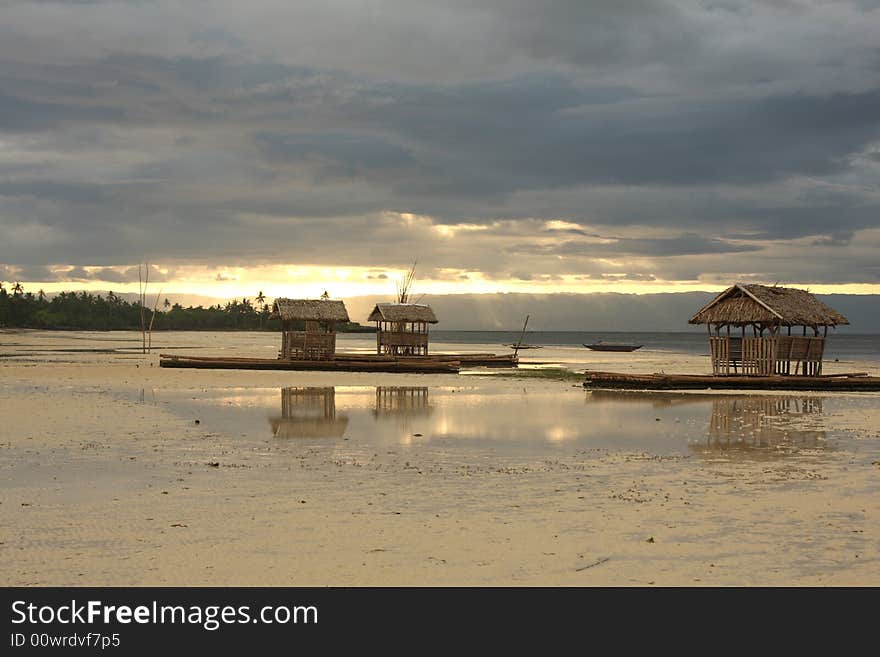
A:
318	310
787	306
402	312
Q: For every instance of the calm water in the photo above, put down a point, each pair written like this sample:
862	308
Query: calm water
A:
497	421
839	345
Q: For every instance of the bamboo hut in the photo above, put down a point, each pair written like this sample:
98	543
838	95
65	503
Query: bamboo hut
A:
768	313
402	328
317	340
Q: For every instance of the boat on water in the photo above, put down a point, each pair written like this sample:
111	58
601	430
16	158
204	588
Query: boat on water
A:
514	345
612	346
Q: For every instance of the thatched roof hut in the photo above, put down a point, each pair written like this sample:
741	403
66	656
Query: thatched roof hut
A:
309	310
402	328
767	308
318	340
402	312
769	305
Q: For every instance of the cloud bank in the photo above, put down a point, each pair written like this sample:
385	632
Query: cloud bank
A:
646	141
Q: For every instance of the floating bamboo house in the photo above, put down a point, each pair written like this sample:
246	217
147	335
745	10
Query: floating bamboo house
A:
769	313
318	339
402	328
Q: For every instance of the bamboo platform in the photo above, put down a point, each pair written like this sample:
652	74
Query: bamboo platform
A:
411	365
465	360
847	382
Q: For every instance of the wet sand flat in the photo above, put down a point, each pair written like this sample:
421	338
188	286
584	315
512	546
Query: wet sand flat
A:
308	478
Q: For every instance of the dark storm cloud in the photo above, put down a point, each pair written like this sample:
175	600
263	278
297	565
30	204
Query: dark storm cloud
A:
337	155
171	132
48	189
688	244
47	274
436	147
18	114
521	144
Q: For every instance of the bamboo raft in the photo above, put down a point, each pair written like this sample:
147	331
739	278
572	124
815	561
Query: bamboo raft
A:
441	363
853	381
417	366
466	360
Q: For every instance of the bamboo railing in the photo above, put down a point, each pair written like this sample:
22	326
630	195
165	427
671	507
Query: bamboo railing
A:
766	356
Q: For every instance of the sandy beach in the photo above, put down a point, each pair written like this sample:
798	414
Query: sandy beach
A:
116	472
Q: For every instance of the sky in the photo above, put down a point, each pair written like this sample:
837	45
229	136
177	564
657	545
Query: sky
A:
533	146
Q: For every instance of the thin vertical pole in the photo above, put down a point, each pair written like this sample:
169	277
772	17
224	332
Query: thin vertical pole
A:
521	336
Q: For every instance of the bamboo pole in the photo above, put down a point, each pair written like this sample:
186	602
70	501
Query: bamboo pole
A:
142	297
152	319
521	336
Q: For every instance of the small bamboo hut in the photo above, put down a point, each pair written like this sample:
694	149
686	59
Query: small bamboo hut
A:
402	328
767	312
317	340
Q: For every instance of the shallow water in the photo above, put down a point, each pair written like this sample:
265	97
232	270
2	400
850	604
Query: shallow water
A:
462	422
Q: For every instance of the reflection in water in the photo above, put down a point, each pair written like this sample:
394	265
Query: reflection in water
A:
763	422
402	404
507	419
308	413
752	424
401	401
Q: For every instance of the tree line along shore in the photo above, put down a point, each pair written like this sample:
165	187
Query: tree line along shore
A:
86	311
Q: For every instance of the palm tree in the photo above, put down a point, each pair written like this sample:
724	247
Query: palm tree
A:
18	288
261	299
41	295
167	303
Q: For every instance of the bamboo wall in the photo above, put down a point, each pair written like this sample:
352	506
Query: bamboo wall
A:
758	356
394	339
306	345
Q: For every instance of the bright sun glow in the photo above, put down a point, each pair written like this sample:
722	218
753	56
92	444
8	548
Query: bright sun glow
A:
343	282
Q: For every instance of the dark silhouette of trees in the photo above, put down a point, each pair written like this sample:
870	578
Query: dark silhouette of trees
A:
87	311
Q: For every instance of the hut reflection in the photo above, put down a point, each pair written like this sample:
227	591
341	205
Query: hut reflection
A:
404	405
745	424
770	424
402	401
308	413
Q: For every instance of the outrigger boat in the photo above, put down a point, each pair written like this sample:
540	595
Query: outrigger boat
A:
612	346
519	344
